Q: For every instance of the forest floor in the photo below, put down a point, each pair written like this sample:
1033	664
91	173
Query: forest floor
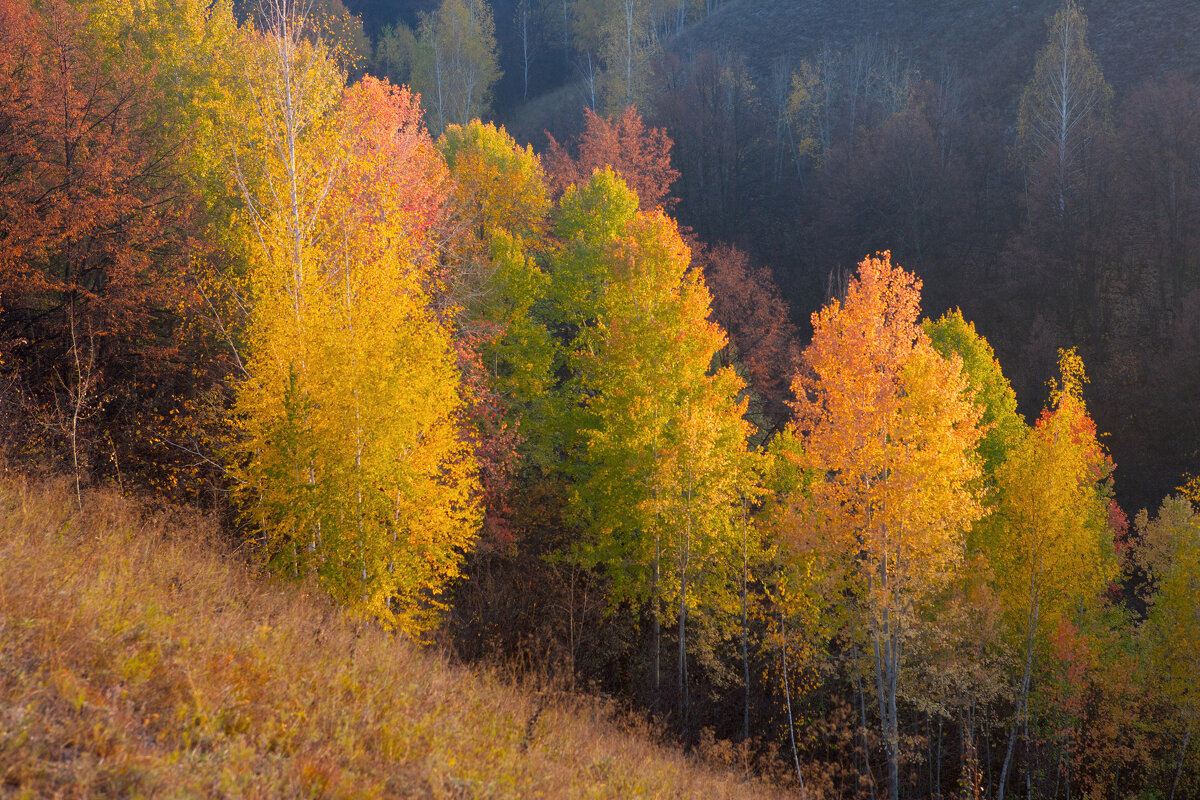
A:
141	656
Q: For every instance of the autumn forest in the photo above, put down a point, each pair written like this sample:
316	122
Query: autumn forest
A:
556	340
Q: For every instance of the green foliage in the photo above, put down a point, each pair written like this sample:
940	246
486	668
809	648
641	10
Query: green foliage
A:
953	335
655	439
395	53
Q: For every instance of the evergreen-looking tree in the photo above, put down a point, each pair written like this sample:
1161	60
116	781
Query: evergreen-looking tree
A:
892	427
394	54
456	63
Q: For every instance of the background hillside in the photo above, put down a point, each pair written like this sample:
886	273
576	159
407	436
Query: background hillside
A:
922	160
992	43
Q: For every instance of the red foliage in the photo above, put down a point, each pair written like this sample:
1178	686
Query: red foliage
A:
640	155
494	434
94	231
392	148
747	303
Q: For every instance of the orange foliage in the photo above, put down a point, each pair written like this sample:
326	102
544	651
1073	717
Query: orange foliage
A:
891	429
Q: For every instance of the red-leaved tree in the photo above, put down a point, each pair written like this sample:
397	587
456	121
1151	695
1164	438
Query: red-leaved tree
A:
640	155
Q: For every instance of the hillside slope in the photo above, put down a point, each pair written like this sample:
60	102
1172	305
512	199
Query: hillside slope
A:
991	43
138	658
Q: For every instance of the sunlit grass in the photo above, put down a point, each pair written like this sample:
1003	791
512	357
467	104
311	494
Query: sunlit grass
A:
138	657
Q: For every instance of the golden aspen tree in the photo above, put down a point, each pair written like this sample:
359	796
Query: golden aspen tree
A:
891	426
350	458
1048	541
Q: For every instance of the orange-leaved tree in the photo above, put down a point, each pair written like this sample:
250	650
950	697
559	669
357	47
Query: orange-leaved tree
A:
640	155
891	427
94	229
747	302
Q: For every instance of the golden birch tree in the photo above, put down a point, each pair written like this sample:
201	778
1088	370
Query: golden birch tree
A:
349	460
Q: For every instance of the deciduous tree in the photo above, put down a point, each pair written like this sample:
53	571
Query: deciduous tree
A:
351	460
640	155
94	229
1049	542
456	63
663	459
1065	106
892	428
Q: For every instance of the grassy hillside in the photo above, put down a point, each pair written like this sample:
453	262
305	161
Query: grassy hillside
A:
138	657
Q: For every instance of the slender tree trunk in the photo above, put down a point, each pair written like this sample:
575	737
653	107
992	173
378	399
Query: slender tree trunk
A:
525	49
862	706
683	567
77	400
1182	755
656	645
887	665
566	31
787	694
629	50
938	783
1028	763
1023	696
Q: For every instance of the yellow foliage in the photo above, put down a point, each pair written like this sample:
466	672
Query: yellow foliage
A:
350	458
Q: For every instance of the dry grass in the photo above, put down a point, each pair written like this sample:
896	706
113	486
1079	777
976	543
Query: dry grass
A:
137	658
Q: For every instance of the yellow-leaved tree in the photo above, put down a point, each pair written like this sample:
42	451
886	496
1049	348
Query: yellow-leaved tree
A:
891	427
1169	554
350	459
1048	539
